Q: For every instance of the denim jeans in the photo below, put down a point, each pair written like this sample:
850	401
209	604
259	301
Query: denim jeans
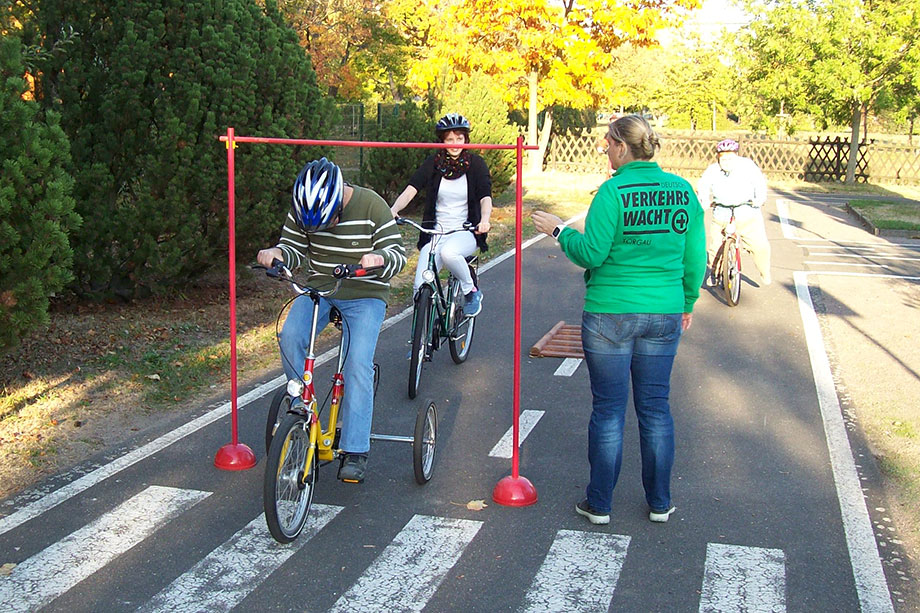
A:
362	319
620	347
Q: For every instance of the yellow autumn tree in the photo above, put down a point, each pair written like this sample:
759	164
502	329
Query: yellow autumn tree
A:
554	51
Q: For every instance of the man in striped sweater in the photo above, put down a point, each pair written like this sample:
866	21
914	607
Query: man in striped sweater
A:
332	223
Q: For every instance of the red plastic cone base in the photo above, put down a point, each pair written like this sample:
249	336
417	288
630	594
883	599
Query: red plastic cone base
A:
235	457
514	492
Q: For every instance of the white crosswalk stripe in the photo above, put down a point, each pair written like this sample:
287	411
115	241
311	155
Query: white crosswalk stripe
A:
740	578
505	445
408	572
56	569
579	574
568	367
229	573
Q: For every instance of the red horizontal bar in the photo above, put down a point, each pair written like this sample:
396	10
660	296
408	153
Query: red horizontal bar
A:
371	144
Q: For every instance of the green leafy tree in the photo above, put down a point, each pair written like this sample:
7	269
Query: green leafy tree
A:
697	87
831	59
476	97
387	170
36	207
144	92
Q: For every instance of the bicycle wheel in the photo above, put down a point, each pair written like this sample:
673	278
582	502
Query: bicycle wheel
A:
461	328
287	490
423	445
731	272
281	402
421	337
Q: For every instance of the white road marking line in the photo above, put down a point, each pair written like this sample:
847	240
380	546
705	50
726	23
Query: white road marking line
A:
847	247
740	578
843	243
579	574
837	273
52	499
568	367
228	574
860	264
408	572
861	255
505	447
782	209
56	497
865	562
51	572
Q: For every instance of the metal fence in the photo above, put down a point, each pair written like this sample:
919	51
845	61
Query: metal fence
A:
814	159
361	123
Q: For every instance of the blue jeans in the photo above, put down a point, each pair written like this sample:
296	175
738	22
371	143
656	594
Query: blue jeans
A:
618	347
362	319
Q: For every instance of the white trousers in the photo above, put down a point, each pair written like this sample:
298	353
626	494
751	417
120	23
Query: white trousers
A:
450	251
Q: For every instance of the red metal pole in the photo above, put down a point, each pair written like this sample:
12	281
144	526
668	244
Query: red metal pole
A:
515	490
234	456
231	231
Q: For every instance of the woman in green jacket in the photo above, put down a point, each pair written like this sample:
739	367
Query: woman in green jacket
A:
644	255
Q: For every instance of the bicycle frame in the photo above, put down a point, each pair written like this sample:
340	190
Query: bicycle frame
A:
322	438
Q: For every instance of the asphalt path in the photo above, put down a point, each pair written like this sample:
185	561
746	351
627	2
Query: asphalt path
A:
765	520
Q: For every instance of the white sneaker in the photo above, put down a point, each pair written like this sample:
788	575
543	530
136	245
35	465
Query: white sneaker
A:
660	517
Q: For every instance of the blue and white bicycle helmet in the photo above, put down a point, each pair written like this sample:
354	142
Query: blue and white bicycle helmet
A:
727	145
452	121
318	194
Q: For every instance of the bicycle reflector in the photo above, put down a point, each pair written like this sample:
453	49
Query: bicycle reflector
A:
428	275
295	387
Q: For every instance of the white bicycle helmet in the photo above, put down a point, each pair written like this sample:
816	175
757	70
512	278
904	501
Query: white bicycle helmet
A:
727	145
318	194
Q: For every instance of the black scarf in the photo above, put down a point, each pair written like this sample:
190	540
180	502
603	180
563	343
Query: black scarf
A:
452	167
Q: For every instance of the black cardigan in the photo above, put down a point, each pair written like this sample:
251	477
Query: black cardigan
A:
479	185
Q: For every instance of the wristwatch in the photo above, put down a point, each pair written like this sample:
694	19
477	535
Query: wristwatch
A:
557	230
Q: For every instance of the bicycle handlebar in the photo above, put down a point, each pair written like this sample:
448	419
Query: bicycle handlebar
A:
732	206
342	271
467	227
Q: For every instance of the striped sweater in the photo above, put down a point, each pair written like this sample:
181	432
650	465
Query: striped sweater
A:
366	226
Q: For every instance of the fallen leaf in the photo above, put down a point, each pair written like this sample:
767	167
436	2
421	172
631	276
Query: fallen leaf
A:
7	569
476	505
28	376
154	377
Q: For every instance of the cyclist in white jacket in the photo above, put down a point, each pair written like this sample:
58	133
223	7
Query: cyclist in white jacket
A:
735	180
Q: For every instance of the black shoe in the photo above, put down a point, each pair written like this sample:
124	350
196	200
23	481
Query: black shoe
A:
353	467
595	517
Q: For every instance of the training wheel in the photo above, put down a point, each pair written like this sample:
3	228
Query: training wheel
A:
423	444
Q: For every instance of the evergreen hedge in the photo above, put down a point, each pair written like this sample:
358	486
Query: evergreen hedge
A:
144	92
36	207
386	170
477	98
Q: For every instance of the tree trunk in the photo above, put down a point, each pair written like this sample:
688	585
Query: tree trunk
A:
544	137
535	157
713	115
854	143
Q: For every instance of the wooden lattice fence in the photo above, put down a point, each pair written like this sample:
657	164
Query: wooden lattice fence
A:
816	160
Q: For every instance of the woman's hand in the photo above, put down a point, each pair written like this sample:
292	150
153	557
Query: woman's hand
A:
545	222
267	256
483	227
685	321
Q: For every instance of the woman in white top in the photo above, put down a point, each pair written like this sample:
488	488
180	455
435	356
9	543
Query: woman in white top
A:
458	189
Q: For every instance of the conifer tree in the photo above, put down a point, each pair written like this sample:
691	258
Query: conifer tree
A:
36	207
144	94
